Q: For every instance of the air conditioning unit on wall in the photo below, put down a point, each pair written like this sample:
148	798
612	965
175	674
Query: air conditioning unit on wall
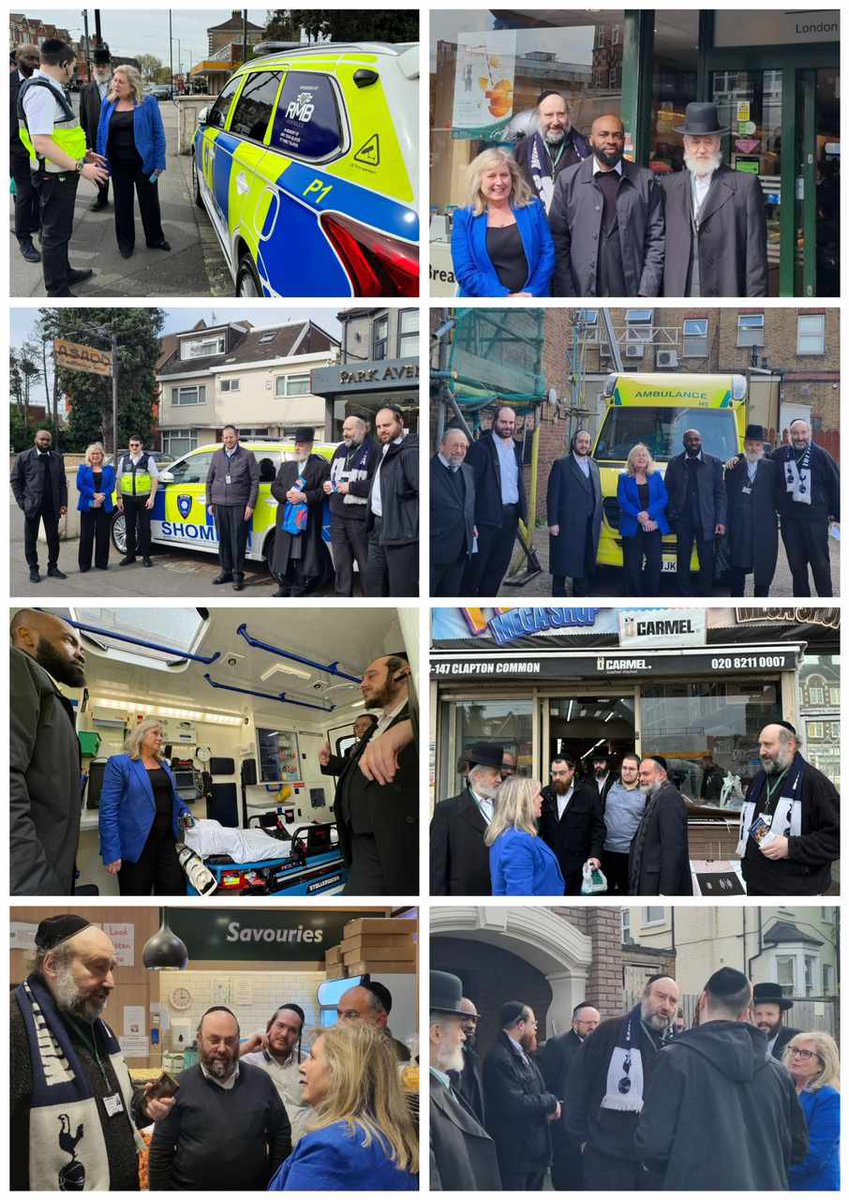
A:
667	359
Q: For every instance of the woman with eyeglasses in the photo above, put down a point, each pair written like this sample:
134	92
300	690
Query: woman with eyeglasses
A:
814	1062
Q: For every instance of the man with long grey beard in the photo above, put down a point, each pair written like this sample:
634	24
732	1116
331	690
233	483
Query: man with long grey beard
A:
74	1111
715	218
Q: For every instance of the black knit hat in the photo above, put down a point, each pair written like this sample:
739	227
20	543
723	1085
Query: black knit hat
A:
380	991
54	930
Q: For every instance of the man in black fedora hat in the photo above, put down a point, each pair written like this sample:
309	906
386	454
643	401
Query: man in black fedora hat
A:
459	860
752	484
91	102
769	1004
715	218
462	1154
301	561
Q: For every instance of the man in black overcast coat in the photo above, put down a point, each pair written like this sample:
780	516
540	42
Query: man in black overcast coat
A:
452	514
659	864
577	834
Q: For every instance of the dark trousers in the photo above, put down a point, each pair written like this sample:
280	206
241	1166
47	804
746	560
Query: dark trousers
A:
522	1181
365	873
232	529
94	536
737	582
806	544
688	535
603	1173
124	181
58	195
391	570
349	541
51	530
565	1163
580	587
446	579
615	867
27	199
137	523
486	569
295	582
637	581
158	871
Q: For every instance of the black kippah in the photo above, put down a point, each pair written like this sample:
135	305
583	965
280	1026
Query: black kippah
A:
510	1012
660	760
54	930
295	1008
787	725
725	982
379	990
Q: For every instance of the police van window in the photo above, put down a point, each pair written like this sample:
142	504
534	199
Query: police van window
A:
192	470
307	123
254	106
221	107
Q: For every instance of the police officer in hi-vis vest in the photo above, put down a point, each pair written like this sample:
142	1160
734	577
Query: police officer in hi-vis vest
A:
137	480
58	153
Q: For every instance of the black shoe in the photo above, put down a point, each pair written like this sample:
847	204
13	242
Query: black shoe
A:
34	576
55	573
284	592
127	560
238	583
126	251
84	569
146	562
223	578
79	276
66	295
29	251
163	245
97	567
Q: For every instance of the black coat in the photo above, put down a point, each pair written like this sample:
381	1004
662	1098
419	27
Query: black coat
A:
557	1059
452	516
580	832
358	478
462	1154
16	147
825	487
785	1034
468	1083
518	1106
390	812
28	481
315	557
710	486
719	1114
398	479
90	106
659	863
753	519
576	149
459	860
45	801
573	501
732	235
575	219
483	459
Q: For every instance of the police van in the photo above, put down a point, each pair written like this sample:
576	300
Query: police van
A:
180	517
307	167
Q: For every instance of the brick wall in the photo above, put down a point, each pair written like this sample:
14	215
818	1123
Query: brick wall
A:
605	981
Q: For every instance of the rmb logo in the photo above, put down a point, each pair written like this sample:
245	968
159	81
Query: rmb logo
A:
184	504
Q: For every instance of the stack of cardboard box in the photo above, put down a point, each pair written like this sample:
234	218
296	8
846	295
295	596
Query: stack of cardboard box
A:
382	945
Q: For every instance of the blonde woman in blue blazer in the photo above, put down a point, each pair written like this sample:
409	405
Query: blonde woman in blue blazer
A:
96	485
520	862
643	500
501	243
142	817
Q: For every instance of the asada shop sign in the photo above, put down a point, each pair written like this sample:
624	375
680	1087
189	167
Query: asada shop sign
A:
259	935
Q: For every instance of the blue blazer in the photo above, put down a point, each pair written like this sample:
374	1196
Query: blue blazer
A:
85	486
523	865
820	1171
629	502
473	267
149	133
335	1160
128	809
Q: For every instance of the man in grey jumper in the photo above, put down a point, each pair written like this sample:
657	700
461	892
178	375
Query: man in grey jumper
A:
232	487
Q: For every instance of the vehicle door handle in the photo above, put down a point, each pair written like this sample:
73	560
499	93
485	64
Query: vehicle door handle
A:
242	185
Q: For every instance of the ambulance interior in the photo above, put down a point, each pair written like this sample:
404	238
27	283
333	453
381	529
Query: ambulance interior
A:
247	699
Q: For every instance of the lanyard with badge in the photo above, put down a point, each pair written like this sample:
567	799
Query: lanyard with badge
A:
114	1103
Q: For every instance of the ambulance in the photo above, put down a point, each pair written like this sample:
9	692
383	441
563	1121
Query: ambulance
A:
656	409
306	165
180	517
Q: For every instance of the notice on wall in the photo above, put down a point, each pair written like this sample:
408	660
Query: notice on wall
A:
483	83
134	1047
22	935
134	1020
123	937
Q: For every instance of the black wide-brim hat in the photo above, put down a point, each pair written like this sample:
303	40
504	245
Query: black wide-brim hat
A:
701	120
446	992
755	433
770	993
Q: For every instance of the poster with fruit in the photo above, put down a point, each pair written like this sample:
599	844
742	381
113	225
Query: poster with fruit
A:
483	84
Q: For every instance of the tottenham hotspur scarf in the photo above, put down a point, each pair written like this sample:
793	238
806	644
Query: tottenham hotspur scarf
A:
625	1070
797	476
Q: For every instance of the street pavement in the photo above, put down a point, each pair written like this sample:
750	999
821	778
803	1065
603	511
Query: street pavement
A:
194	266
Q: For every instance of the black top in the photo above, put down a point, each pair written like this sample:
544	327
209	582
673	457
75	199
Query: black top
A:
122	138
608	183
97	476
505	249
162	793
643	493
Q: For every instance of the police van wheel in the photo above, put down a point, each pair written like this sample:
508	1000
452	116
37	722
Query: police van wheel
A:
247	281
119	533
196	182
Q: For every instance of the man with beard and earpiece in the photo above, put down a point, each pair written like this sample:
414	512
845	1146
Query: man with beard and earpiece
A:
715	218
228	1129
300	560
659	862
543	155
809	499
459	858
790	821
278	1053
500	503
574	510
606	1086
45	790
452	513
752	494
74	1111
351	469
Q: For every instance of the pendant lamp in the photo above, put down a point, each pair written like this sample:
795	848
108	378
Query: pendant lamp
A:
165	950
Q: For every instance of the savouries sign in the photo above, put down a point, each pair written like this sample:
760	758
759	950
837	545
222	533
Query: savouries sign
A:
264	935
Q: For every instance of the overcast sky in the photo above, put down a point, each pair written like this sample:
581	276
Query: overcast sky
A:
144	30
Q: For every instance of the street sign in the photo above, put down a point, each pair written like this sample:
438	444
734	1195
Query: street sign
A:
75	357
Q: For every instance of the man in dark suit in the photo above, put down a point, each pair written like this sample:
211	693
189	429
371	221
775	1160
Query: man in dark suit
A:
519	1107
468	1082
752	489
557	1059
462	1154
459	860
500	504
715	218
334	764
603	778
697	507
40	488
769	1004
378	821
91	101
574	509
572	822
27	203
452	513
659	863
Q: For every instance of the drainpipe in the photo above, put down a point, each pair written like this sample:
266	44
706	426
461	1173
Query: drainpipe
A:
760	943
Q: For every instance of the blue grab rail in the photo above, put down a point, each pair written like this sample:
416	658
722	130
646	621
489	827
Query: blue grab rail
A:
282	698
133	641
330	668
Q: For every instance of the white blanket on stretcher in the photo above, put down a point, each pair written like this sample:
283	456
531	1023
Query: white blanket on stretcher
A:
242	845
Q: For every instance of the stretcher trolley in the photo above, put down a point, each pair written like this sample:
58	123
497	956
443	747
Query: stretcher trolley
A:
310	863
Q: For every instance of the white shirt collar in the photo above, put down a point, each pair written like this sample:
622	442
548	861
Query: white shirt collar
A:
598	170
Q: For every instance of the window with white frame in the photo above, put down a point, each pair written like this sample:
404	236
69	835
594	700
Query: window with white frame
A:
408	333
179	441
626	925
380	338
810	975
193	393
750	329
653	915
291	385
203	347
247	434
810	333
785	971
695	331
230	385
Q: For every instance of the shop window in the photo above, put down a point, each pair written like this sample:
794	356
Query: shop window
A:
291	385
505	723
810	333
193	394
253	108
179	441
408	333
626	925
230	385
695	333
750	329
380	338
785	970
307	123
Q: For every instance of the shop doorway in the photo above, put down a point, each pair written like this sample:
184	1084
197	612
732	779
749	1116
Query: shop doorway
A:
583	725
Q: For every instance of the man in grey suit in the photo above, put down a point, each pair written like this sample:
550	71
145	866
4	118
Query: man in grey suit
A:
715	218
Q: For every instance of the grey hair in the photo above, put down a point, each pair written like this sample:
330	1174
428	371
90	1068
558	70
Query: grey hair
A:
133	743
477	768
62	955
452	429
